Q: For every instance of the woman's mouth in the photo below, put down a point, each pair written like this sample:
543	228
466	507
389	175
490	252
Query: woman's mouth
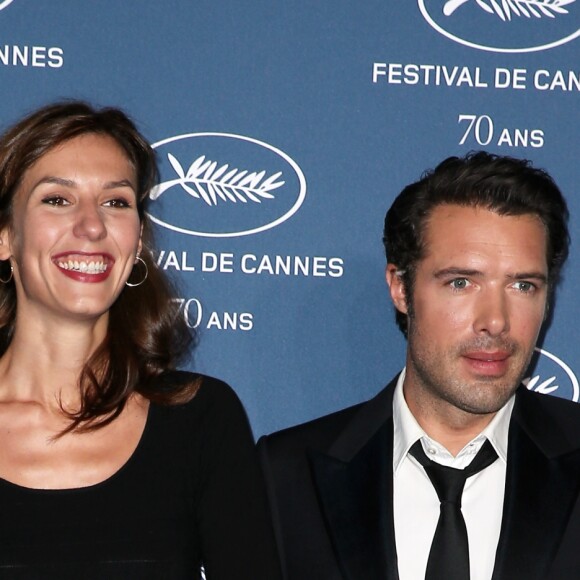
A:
84	267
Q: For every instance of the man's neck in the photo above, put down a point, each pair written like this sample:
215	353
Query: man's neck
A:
451	427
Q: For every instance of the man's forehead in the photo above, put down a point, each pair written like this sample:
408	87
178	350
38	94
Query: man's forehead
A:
444	215
453	231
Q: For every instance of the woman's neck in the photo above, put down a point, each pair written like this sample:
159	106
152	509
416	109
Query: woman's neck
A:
44	360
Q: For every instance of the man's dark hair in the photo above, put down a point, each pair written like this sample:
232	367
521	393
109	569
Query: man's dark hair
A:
504	185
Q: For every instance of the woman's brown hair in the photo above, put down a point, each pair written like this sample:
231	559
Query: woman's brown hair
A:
146	335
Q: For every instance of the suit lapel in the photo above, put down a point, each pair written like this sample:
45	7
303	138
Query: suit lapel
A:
354	483
541	488
355	488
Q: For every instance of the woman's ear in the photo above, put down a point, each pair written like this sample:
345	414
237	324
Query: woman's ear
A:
5	244
140	244
394	278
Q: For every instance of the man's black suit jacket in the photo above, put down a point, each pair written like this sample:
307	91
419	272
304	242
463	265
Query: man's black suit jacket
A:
330	487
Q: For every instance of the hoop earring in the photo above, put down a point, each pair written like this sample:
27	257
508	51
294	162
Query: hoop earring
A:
139	259
11	274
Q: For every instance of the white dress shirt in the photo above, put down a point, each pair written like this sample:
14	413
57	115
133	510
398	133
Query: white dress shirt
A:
415	502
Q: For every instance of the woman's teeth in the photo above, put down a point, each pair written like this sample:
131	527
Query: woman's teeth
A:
83	266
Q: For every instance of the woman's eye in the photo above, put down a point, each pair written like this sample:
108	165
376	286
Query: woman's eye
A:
118	202
55	200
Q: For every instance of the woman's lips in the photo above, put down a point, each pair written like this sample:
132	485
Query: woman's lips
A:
84	267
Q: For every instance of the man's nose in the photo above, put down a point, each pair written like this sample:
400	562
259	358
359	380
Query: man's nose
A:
492	312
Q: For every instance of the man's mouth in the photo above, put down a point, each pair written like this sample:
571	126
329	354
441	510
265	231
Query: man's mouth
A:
490	364
488	356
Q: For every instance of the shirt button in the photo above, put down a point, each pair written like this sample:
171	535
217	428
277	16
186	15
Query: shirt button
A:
432	451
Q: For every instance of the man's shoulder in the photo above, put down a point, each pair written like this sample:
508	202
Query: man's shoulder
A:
318	433
554	423
321	433
549	404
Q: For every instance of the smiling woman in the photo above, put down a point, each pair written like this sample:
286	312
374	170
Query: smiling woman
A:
74	218
161	462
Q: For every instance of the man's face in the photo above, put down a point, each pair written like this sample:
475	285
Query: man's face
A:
479	301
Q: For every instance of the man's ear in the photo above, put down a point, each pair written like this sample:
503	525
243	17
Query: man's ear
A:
394	278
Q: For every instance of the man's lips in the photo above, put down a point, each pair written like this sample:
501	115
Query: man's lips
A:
498	355
488	363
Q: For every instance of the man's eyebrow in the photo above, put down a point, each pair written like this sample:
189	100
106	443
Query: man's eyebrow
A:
529	275
446	272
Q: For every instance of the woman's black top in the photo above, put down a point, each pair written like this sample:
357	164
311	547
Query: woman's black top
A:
190	495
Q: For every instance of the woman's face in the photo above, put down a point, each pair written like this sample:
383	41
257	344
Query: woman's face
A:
75	230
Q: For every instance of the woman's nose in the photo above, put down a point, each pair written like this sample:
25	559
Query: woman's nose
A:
89	222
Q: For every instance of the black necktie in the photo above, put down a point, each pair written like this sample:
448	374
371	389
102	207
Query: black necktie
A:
449	554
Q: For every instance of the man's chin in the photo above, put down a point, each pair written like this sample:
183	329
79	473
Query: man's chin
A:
486	404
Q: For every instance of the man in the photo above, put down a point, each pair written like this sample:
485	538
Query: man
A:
474	250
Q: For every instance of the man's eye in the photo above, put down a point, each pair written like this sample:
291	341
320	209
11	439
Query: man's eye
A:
55	200
459	283
525	287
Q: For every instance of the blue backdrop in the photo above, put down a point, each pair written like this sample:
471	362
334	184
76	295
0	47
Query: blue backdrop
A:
284	131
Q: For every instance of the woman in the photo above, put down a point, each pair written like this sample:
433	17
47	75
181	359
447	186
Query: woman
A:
112	465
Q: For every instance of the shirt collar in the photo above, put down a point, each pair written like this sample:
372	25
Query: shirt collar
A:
407	430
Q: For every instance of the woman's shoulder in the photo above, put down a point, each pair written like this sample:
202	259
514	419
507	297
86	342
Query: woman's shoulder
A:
210	395
213	418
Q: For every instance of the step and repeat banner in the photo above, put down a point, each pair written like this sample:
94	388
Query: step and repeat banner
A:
284	130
